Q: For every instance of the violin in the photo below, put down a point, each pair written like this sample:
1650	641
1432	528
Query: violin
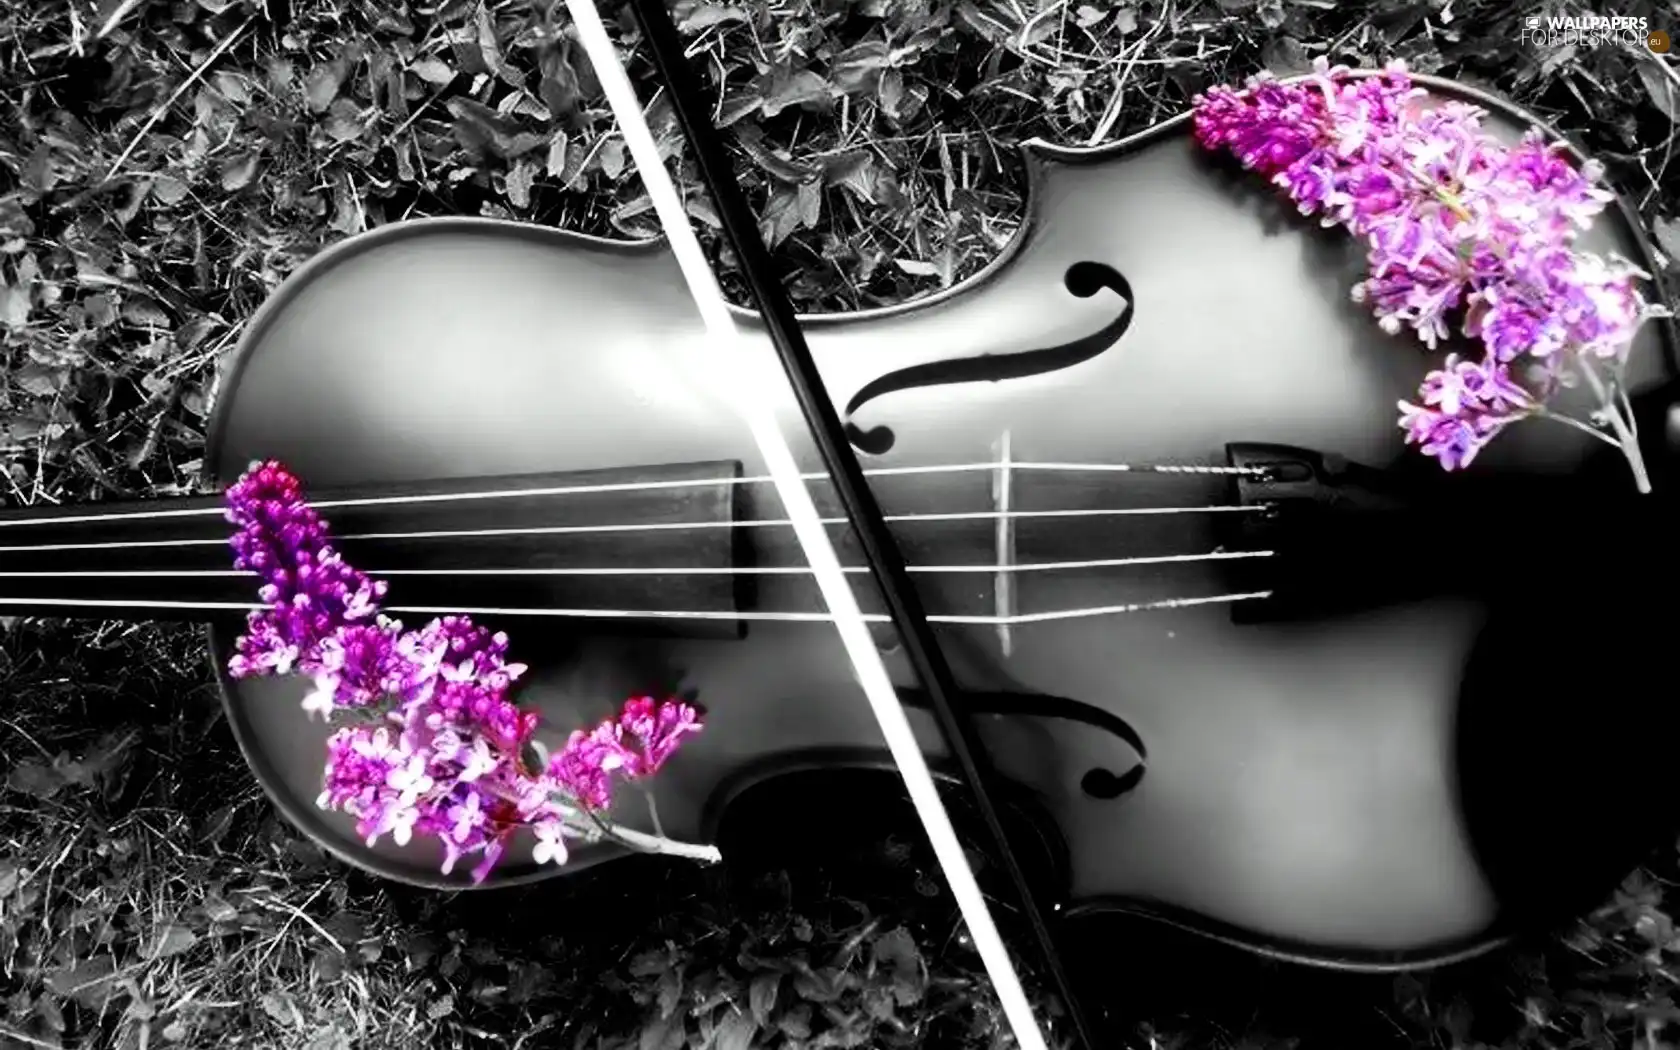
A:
1240	671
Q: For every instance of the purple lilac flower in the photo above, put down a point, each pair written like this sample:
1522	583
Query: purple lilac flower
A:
586	764
309	591
1459	228
1465	405
443	759
355	666
634	745
658	729
1565	198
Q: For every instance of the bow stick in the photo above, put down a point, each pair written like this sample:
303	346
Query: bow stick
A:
879	547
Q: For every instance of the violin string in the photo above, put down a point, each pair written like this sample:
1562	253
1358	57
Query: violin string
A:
673	614
632	487
570	530
987	620
621	570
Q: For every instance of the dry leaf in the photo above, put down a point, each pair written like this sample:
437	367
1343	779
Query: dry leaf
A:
519	180
761	997
704	16
238	172
612	158
322	83
433	71
171	940
1661	90
1666	232
736	1032
14	306
794	89
663	1033
89	982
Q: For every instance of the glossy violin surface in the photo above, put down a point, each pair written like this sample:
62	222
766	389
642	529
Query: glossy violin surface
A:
1349	746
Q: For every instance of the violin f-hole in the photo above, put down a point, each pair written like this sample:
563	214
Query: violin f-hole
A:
1083	279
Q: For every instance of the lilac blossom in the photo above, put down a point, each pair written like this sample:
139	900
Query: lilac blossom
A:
1465	405
1463	234
635	744
441	749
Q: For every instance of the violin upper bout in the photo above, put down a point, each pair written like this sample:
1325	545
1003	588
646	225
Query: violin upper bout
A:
1045	155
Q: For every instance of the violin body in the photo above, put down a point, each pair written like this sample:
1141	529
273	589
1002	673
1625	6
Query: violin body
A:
1307	787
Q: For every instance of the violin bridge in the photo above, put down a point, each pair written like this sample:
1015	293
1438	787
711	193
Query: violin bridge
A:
1003	581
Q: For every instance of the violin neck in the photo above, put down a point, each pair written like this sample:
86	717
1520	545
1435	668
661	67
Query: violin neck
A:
534	543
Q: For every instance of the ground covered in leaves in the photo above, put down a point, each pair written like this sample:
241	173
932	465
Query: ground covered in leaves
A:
165	163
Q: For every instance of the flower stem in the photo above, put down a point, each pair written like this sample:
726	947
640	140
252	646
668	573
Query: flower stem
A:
1627	409
1585	428
1623	428
1450	199
642	842
653	812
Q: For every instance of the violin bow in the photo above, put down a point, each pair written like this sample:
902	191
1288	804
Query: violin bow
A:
863	513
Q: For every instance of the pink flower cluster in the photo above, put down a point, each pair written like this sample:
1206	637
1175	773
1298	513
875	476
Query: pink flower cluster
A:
441	752
1457	225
